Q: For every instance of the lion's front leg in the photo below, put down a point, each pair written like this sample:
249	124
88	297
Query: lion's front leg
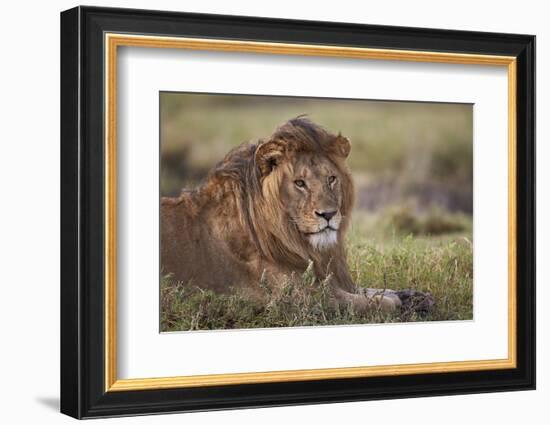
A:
347	293
407	300
386	300
368	299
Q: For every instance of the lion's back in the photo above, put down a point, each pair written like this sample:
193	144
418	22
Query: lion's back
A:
194	249
178	231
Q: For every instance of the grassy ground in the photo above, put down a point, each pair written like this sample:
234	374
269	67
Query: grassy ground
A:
379	253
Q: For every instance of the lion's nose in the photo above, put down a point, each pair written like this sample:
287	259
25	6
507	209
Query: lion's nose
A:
327	215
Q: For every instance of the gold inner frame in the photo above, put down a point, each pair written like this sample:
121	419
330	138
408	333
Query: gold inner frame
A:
113	41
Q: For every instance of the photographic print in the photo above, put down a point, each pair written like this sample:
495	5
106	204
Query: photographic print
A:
287	211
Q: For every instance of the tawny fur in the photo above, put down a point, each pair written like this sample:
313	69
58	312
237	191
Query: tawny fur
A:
250	220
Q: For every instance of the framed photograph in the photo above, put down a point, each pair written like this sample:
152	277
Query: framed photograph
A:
261	212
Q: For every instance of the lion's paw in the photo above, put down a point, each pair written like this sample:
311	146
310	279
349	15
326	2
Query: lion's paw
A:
385	300
416	301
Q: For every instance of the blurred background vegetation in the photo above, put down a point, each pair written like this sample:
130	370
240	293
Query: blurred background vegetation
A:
412	165
411	162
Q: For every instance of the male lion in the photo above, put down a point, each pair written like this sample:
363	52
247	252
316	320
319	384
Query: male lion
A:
266	211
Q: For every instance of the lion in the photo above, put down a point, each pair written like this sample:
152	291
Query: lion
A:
265	212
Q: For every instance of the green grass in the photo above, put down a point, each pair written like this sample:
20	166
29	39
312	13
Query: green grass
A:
439	264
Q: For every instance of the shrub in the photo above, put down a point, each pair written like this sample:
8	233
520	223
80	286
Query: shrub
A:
435	221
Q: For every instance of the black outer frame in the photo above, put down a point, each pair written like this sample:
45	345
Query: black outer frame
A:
82	216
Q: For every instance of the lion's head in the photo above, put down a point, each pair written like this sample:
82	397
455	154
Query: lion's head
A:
294	192
305	184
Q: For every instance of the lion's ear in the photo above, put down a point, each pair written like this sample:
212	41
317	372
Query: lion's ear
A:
341	146
268	156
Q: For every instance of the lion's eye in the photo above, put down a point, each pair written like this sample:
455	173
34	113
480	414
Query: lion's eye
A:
300	183
331	179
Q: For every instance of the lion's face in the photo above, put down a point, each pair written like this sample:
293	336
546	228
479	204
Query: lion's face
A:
312	196
303	172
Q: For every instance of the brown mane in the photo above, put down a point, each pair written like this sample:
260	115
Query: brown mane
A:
259	212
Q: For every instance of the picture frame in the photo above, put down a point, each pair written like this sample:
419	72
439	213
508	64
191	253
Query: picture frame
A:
90	40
